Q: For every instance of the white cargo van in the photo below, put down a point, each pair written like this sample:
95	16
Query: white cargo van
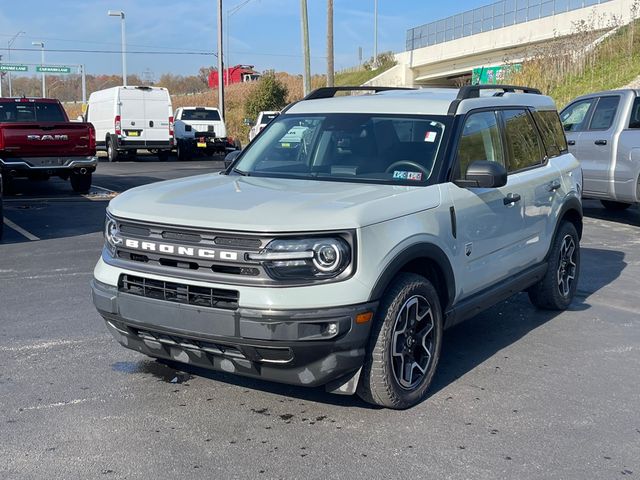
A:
130	118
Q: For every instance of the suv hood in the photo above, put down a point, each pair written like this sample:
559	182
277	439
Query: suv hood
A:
260	204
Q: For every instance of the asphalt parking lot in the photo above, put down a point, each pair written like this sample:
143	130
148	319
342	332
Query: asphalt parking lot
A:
520	393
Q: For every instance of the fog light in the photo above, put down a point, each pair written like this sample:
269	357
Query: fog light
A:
332	329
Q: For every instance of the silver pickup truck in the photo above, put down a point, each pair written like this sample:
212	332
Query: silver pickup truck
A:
603	132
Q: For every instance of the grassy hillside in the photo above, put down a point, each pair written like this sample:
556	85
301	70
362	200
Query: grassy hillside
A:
614	63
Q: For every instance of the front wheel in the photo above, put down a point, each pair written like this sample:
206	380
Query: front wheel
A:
405	343
81	183
614	206
557	288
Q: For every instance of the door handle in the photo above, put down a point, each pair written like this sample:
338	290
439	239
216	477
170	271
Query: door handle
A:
571	142
555	185
600	142
512	198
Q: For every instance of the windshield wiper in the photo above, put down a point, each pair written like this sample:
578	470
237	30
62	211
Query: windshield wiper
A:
240	172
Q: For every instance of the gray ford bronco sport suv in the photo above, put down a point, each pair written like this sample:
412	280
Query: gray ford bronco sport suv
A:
339	245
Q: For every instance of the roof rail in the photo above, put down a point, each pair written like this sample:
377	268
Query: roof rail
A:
473	91
329	92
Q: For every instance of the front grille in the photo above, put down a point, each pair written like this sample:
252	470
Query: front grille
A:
179	292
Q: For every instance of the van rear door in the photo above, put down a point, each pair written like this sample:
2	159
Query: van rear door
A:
132	114
157	113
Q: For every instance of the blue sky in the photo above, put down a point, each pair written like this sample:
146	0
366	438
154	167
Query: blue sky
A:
264	33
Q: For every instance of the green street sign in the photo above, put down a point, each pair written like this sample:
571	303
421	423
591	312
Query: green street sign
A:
493	75
13	67
49	69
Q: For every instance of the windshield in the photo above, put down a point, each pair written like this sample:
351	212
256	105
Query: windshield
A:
393	149
203	115
31	112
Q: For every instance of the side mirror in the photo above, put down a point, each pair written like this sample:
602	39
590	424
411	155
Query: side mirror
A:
80	118
247	122
230	158
484	174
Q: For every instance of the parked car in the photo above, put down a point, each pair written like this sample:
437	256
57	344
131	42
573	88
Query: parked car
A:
201	130
401	213
131	118
37	141
603	131
262	121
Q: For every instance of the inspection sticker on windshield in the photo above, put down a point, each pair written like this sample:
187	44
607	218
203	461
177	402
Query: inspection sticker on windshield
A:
402	175
430	137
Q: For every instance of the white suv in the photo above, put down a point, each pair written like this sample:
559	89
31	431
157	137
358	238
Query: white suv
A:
338	255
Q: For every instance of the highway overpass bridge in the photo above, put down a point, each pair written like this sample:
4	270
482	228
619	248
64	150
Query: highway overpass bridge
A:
445	52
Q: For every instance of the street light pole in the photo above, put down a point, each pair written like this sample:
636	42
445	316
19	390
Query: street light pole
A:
9	43
120	13
375	33
220	64
44	83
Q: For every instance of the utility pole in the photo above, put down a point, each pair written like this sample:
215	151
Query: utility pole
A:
330	67
220	64
375	33
9	43
306	78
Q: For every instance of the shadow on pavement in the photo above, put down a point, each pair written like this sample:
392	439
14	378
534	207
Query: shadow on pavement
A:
465	346
594	209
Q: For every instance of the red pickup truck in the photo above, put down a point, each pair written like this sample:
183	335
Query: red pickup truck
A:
38	141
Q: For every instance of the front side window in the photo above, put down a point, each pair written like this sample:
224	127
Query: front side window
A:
480	140
573	117
393	149
605	113
525	148
551	131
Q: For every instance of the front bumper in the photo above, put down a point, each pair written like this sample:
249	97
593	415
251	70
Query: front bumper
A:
51	165
297	347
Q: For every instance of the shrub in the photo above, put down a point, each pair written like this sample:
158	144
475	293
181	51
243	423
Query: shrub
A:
270	94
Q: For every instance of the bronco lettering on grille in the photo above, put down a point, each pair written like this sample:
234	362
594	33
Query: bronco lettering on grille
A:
180	250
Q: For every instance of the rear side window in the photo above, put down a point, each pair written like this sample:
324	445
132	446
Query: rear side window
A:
480	141
551	130
525	148
573	117
31	112
635	114
604	113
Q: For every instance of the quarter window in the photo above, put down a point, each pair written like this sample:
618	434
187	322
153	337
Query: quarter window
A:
480	141
604	113
573	117
551	131
525	148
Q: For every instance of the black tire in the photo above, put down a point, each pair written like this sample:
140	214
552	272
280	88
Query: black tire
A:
112	151
163	155
81	183
557	288
614	206
383	375
182	151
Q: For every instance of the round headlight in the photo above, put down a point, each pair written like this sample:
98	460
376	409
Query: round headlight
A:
327	257
112	234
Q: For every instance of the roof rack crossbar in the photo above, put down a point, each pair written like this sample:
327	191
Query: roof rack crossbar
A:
329	92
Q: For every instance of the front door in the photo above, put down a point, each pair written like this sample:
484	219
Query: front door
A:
490	227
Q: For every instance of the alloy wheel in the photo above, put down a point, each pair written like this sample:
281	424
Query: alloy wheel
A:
567	266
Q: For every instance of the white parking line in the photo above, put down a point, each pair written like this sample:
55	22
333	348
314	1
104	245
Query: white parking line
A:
102	188
20	230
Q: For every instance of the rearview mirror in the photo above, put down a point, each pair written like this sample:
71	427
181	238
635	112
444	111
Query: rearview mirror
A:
484	174
230	158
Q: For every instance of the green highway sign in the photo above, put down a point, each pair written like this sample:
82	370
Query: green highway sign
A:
50	69
13	67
